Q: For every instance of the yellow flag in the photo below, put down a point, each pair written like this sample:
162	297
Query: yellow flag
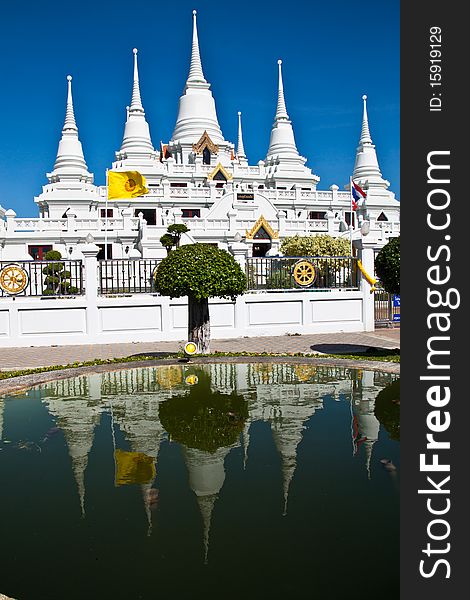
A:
134	467
126	184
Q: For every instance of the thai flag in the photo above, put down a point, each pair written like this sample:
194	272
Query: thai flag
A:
356	193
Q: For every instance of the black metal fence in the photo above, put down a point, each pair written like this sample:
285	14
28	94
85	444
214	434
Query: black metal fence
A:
127	276
302	272
386	307
49	278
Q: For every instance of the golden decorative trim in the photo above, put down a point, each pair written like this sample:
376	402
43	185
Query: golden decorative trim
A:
205	142
220	168
261	222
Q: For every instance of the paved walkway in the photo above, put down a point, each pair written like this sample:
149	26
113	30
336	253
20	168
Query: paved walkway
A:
327	343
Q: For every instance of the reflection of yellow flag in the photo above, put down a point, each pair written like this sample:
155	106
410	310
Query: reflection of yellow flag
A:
133	467
126	184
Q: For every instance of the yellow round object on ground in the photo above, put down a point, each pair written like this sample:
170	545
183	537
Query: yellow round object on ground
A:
190	348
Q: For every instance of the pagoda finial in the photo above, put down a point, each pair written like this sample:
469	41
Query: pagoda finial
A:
240	148
282	144
70	163
196	74
136	140
366	167
281	111
365	133
136	101
70	126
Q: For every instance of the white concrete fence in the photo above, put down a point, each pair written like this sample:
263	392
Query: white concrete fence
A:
94	319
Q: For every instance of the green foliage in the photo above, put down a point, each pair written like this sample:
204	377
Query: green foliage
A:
205	420
387	409
200	271
57	280
173	235
279	277
167	241
52	255
387	266
316	245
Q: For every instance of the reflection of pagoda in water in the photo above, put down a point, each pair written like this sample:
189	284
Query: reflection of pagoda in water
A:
206	478
285	396
77	419
364	424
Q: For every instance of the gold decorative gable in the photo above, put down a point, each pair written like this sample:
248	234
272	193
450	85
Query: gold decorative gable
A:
261	222
219	169
205	142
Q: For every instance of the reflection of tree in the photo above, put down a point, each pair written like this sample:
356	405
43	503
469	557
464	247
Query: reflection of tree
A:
204	419
387	409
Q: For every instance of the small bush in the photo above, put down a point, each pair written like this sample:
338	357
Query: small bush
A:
387	266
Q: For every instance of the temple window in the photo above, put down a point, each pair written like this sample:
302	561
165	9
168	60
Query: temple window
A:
382	217
101	253
106	213
315	214
206	156
39	252
190	213
150	215
349	218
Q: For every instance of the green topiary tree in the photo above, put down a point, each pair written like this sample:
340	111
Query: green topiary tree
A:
387	266
177	230
57	280
315	245
199	271
167	241
172	237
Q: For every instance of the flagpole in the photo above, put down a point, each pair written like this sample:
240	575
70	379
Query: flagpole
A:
350	215
106	220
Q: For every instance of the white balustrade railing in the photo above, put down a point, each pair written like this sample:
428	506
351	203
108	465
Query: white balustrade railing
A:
39	224
393	226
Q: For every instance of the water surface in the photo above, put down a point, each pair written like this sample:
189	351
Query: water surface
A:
221	481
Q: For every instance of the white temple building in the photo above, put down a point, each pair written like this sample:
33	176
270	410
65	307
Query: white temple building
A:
198	178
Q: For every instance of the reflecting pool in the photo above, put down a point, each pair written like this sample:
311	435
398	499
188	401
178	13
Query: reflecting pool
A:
215	481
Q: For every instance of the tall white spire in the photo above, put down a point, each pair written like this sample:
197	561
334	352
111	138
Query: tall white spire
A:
366	167
136	141
281	110
136	101
196	111
196	74
282	144
70	163
240	147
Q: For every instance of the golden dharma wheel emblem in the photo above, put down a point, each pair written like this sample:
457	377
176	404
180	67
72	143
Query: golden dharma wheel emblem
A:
304	273
13	279
130	185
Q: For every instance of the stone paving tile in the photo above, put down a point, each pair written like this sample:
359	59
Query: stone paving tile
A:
25	358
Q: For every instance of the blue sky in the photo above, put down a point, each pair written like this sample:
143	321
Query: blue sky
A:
333	52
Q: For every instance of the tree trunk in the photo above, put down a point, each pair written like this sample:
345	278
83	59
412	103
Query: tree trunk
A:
199	328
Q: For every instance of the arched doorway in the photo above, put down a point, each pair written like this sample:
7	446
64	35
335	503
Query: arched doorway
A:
261	242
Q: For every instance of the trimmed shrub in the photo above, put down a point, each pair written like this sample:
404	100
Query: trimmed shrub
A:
387	266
